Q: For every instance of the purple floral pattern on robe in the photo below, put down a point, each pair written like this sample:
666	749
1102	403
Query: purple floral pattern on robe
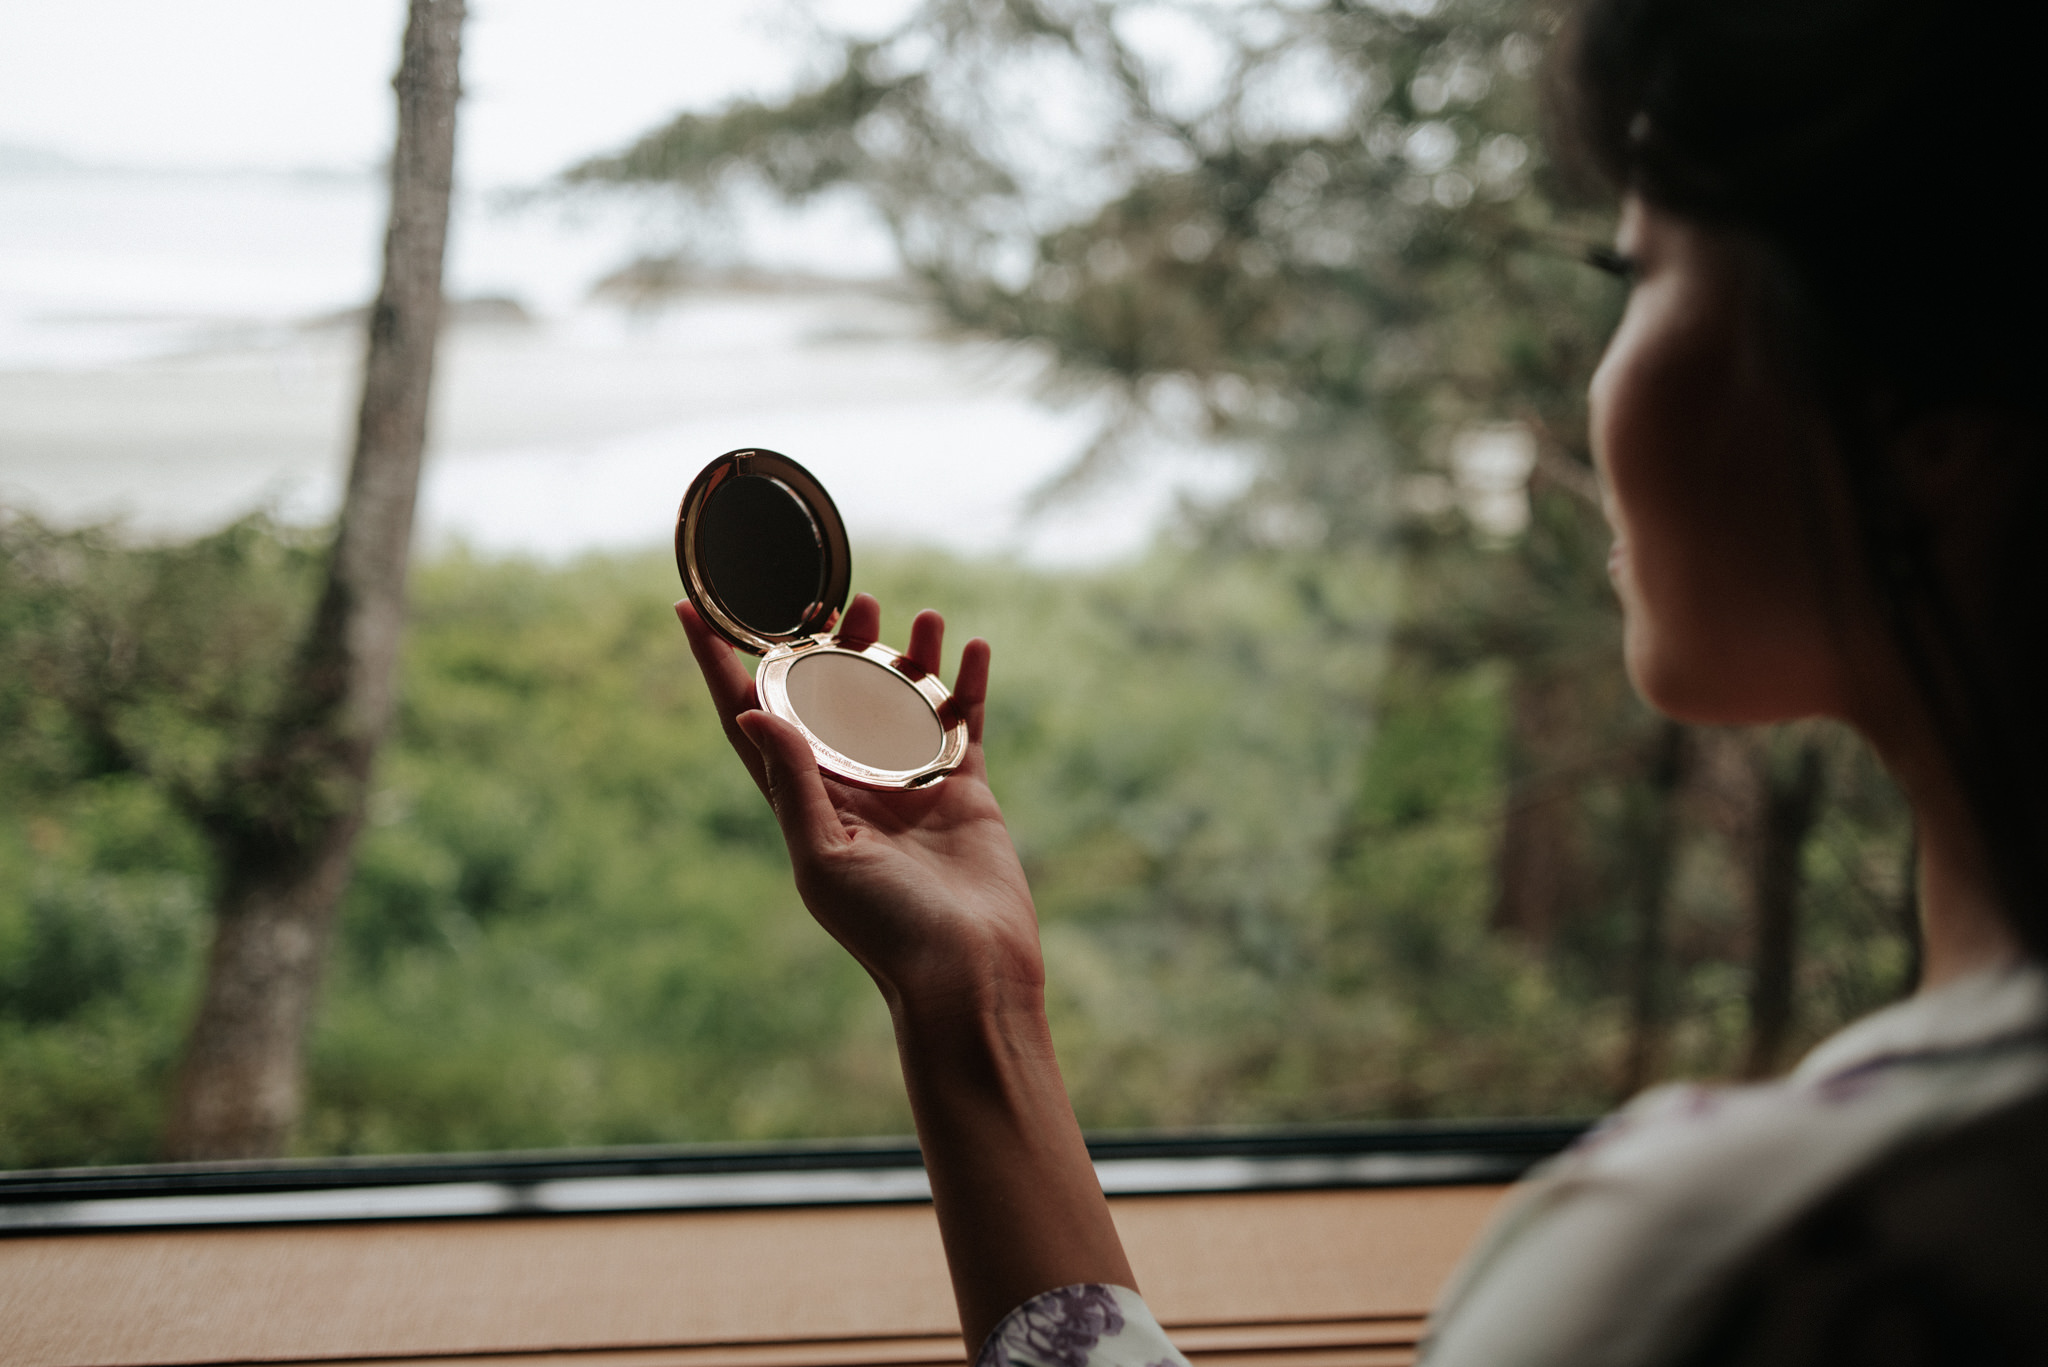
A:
1068	1327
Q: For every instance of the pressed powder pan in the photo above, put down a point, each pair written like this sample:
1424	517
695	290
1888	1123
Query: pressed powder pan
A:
764	558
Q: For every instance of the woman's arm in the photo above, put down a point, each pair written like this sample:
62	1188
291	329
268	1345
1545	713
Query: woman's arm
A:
925	890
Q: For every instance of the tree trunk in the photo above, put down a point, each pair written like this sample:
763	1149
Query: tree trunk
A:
1540	876
1655	839
286	834
1788	804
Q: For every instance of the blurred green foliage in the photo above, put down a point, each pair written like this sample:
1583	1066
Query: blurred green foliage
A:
1259	838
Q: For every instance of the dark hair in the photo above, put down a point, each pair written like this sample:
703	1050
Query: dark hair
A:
1884	150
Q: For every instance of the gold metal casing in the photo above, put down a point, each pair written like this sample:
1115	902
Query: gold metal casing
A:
771	686
823	612
780	647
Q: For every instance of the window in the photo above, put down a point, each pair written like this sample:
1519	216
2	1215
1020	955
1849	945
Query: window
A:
1236	403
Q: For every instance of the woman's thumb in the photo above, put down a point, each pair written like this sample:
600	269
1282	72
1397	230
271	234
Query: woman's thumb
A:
752	725
795	788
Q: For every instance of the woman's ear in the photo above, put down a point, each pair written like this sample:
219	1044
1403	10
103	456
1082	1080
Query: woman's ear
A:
1962	463
1970	478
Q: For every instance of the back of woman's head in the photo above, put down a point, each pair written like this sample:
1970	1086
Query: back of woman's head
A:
1891	149
1888	152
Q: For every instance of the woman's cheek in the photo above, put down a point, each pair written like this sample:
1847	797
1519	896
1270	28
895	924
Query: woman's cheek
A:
1653	403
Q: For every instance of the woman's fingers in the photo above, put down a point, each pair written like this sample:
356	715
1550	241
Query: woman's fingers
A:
734	697
810	823
732	691
731	688
970	686
927	635
862	623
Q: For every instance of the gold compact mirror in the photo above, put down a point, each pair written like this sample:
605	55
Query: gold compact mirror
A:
764	558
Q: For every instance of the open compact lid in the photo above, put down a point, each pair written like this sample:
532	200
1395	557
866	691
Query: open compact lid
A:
762	550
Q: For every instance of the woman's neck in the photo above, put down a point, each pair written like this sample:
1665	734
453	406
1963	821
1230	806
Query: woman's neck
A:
1962	928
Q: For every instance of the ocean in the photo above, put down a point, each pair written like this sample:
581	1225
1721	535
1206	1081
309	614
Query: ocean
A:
178	349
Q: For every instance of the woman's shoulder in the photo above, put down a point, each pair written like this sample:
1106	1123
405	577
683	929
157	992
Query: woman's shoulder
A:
1618	1251
1937	1254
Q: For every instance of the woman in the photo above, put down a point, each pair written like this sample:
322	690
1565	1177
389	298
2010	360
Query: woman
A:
1819	436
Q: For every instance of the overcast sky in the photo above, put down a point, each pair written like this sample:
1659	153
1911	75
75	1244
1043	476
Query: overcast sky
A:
304	83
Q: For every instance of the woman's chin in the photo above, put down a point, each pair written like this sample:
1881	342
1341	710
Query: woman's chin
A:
1647	674
1715	688
1679	688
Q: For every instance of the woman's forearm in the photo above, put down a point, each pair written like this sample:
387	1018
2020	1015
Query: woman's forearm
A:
924	888
1018	1202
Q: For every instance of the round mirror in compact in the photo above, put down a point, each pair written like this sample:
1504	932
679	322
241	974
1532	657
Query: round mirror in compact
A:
764	558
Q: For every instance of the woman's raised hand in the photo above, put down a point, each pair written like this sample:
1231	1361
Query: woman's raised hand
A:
922	887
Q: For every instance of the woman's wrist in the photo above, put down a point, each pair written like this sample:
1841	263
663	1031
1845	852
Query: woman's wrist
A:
1001	979
998	1016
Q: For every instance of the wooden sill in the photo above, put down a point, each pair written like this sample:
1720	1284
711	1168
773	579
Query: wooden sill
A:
1307	1278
